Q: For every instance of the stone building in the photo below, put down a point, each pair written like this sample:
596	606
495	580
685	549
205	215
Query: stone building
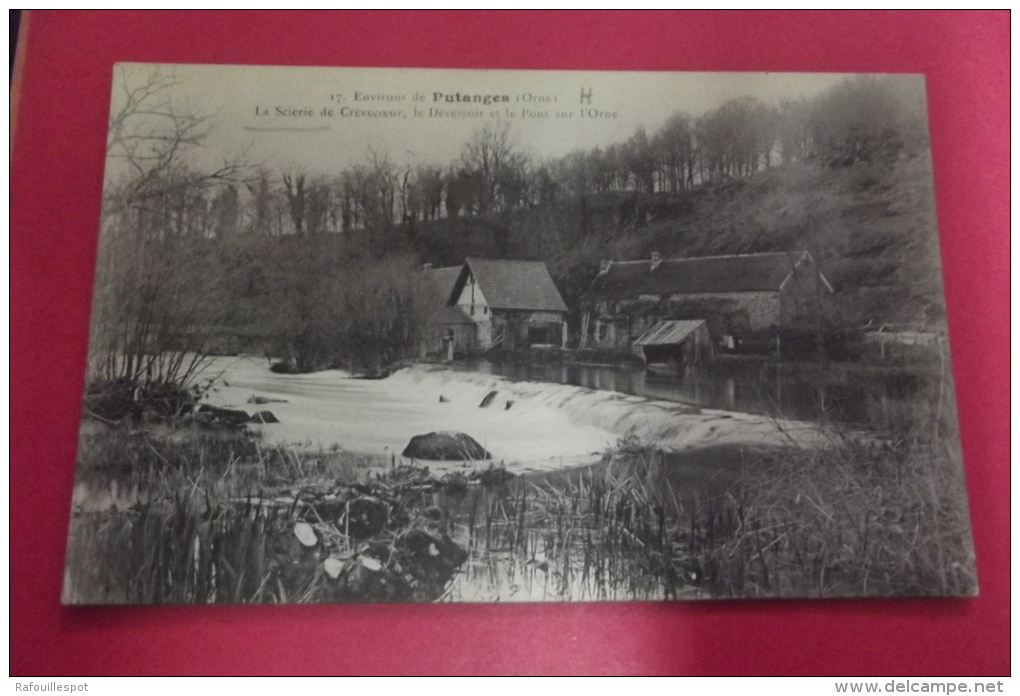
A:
738	297
509	304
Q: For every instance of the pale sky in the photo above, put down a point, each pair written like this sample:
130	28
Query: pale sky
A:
275	114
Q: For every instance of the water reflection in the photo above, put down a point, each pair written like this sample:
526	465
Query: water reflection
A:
848	394
577	540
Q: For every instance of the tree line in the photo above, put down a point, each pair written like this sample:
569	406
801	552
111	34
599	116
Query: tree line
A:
186	248
862	118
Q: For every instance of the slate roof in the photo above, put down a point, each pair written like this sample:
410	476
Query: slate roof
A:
520	285
669	333
453	315
443	279
708	274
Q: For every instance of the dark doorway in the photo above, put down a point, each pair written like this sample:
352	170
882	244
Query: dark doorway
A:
539	334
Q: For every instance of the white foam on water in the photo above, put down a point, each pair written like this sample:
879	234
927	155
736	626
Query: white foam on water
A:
547	426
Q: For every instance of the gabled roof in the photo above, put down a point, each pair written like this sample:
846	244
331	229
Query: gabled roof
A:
707	274
443	279
441	282
521	285
669	333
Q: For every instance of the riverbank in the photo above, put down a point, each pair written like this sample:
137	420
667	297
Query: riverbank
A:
196	510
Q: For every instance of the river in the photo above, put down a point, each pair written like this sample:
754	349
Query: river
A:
856	396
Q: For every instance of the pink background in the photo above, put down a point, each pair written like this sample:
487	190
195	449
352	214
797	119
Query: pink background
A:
56	178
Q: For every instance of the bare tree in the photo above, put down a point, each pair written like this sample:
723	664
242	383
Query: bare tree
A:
294	187
157	291
492	156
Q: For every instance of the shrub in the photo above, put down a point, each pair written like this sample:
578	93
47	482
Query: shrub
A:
122	398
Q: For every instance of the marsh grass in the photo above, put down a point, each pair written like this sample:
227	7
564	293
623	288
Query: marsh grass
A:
582	536
881	512
852	520
164	461
186	523
867	514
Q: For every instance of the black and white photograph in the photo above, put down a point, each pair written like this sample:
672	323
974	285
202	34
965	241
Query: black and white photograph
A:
424	335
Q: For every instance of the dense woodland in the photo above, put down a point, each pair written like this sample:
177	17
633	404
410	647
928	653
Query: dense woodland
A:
326	269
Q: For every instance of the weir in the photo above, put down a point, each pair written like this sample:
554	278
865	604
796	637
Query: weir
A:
549	427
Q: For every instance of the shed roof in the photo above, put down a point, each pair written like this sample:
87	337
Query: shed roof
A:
741	273
669	333
522	285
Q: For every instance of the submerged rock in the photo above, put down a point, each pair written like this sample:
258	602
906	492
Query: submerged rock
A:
445	446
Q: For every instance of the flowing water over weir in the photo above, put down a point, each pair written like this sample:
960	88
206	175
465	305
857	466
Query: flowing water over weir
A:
849	395
527	425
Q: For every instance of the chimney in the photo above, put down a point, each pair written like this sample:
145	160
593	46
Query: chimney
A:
604	265
427	266
656	260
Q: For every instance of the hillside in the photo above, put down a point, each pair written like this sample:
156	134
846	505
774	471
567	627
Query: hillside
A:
870	224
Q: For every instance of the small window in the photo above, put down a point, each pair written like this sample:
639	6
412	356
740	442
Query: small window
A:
485	309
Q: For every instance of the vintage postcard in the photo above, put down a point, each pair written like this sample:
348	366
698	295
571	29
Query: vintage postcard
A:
447	335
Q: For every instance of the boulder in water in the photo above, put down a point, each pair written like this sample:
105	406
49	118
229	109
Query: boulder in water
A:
264	417
229	416
443	399
445	446
487	400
